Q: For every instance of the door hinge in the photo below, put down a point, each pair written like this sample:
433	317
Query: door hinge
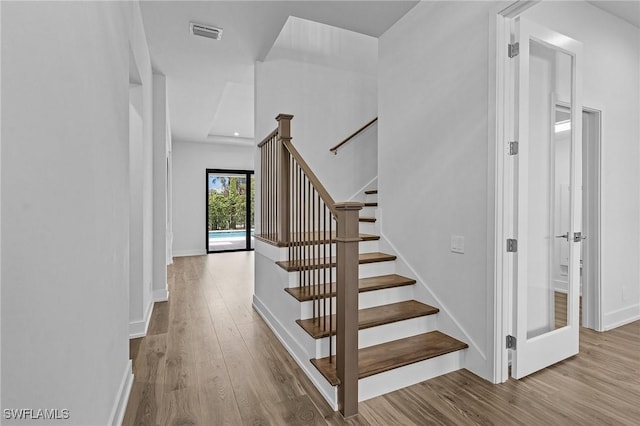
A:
513	148
514	50
512	245
511	342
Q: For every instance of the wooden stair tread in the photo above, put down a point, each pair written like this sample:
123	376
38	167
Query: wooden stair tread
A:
320	237
369	237
370	317
374	257
372	204
371	191
398	353
310	238
304	294
366	219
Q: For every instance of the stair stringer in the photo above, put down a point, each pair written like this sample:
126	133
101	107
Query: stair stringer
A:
359	195
473	358
280	311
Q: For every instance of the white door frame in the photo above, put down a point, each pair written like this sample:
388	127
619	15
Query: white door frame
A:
501	82
592	213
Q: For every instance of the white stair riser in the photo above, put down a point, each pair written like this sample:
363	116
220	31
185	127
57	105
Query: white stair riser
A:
364	271
365	300
398	378
386	296
369	211
382	334
368	228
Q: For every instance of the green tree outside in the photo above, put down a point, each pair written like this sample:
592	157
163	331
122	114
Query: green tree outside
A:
227	205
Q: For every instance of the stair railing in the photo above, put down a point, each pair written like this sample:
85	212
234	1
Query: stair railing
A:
351	136
298	212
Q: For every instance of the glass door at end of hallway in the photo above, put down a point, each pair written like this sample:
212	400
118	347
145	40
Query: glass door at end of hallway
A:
230	211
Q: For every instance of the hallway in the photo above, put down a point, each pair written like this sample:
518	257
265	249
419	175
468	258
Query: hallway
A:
209	359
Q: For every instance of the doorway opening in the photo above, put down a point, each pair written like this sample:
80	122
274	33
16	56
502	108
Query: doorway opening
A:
230	215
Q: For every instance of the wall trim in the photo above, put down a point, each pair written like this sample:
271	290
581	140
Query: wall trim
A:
280	332
161	295
139	328
122	398
621	317
192	252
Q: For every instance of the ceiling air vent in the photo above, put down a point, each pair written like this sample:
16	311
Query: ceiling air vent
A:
206	31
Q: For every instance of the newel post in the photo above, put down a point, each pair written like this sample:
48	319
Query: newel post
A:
347	240
282	202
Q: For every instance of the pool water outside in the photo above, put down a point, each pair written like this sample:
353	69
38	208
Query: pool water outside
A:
228	240
219	235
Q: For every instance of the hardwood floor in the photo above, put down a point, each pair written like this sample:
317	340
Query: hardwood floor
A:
209	359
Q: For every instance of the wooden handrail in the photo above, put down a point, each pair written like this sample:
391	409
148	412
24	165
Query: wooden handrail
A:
324	194
268	138
353	135
298	212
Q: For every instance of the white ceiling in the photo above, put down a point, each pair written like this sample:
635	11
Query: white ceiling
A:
210	82
628	10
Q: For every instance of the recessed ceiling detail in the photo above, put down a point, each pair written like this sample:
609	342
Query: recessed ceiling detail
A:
205	31
211	85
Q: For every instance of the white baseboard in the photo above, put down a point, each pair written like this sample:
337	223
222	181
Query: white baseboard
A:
328	392
184	253
139	328
122	398
161	295
621	317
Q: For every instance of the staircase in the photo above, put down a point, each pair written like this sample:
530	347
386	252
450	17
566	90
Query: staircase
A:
381	348
349	319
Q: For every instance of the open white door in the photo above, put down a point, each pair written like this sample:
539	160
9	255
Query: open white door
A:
548	198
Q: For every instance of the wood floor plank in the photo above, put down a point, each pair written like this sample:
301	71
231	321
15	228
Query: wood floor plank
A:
370	317
218	404
181	407
381	282
296	411
159	322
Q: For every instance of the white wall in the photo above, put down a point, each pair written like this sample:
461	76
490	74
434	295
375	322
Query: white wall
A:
331	91
160	154
190	161
65	201
136	245
141	182
0	211
328	104
611	82
433	162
